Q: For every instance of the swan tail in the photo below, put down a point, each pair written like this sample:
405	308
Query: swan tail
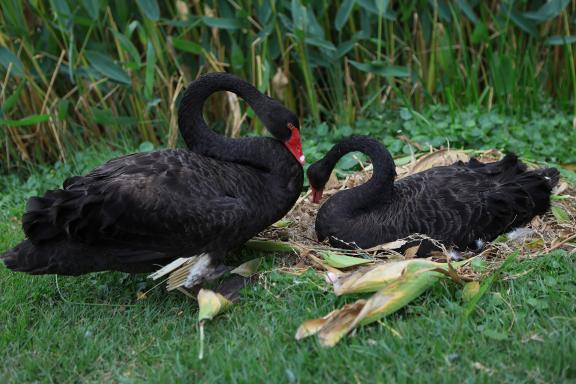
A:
65	258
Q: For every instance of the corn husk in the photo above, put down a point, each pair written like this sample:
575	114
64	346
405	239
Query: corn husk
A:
374	278
211	304
396	284
271	245
337	260
470	290
248	268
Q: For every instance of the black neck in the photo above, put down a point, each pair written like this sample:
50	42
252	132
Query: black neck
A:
380	187
201	139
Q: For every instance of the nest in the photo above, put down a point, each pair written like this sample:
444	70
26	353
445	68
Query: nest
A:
554	230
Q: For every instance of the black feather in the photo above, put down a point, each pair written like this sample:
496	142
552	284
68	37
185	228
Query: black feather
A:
455	204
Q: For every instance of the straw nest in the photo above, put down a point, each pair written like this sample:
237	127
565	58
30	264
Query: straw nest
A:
554	230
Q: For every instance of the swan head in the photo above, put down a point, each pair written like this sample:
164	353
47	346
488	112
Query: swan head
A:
284	126
318	175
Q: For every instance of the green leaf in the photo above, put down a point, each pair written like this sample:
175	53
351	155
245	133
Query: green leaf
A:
560	214
342	261
107	67
128	46
343	14
12	99
105	117
560	40
146	146
221	22
7	58
382	6
149	8
211	304
237	56
380	68
468	11
29	120
150	65
186	46
549	10
521	22
320	43
480	33
92	7
470	290
495	335
63	107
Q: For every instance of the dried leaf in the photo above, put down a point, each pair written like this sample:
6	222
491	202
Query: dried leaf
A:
248	268
388	246
411	252
336	260
339	323
211	304
310	327
439	158
470	290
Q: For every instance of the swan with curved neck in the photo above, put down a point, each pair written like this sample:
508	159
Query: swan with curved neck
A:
461	205
139	211
279	121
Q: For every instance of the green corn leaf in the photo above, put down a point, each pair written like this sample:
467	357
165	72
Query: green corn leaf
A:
342	261
271	246
107	67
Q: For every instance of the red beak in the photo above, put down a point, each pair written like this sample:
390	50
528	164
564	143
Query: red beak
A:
294	144
316	195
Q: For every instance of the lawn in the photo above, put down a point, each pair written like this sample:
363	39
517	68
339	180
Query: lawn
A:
93	328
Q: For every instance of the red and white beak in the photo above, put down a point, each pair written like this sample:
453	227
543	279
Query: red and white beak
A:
316	195
294	144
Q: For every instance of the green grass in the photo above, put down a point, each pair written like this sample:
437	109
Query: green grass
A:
72	72
522	330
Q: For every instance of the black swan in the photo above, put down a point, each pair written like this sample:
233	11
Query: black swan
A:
143	210
462	205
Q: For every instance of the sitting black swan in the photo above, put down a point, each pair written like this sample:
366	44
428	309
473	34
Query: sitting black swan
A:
461	205
143	210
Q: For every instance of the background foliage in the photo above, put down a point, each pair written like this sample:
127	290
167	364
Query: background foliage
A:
77	71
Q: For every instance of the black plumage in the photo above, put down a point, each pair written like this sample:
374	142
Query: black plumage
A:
143	210
457	205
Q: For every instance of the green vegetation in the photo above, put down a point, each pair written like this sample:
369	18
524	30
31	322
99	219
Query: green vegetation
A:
75	72
85	81
93	329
